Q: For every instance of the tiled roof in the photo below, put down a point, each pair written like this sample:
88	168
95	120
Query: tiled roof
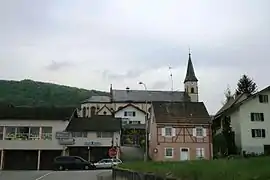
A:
96	123
150	96
36	113
101	99
181	112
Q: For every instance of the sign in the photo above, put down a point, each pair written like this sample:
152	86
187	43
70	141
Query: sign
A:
92	143
63	135
112	152
66	141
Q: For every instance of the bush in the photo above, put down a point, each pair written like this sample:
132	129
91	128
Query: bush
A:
239	169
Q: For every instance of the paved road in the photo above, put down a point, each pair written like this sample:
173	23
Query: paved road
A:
51	175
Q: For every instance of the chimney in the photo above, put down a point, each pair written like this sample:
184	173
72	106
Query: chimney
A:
127	89
111	93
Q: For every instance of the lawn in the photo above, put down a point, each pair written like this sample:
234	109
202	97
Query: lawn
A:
238	169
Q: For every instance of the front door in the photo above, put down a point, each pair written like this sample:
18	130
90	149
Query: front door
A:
184	154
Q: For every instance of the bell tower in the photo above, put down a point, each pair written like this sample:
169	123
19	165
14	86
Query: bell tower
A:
191	82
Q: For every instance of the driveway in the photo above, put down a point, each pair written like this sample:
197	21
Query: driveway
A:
51	175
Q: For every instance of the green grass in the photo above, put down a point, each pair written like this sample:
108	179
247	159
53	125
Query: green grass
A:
240	169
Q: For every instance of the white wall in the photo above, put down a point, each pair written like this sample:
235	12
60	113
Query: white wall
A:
92	137
140	116
57	125
250	144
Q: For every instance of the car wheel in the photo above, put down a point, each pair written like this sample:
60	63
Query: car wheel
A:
60	168
86	167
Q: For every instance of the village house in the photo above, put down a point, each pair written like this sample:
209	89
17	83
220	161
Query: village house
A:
179	131
27	136
94	136
249	119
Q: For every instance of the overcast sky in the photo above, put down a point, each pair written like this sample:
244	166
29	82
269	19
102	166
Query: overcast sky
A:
93	43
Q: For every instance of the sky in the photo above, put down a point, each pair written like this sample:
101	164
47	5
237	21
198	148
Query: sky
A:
92	44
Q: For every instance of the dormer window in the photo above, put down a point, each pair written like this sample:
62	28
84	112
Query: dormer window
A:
263	98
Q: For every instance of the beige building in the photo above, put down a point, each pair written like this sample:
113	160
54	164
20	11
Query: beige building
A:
179	131
249	117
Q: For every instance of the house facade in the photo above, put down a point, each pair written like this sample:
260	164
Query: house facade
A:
179	131
248	116
27	136
94	136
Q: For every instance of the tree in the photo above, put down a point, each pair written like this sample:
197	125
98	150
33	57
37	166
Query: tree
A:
229	136
246	85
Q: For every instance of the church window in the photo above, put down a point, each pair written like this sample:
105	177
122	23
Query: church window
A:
84	111
192	90
93	111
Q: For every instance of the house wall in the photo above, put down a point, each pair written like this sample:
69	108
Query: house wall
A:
140	116
102	142
183	138
57	125
235	124
250	144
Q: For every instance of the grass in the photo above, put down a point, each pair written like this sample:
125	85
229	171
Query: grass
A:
239	169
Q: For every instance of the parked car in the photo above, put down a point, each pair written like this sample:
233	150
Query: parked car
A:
72	163
107	163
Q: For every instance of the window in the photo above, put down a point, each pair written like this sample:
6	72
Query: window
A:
1	132
168	131
130	113
257	116
199	153
104	112
168	152
34	133
192	90
263	98
10	133
46	133
79	134
104	134
199	132
134	122
84	111
258	133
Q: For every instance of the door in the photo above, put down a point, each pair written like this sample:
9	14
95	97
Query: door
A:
184	154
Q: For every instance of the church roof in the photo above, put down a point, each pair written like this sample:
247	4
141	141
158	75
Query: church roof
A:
190	75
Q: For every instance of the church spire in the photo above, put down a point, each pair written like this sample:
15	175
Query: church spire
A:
190	75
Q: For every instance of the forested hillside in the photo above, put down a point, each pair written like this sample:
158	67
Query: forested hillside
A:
32	93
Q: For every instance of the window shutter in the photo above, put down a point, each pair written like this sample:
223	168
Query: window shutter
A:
262	116
253	132
198	152
263	133
172	153
203	155
163	131
252	116
194	131
125	113
204	132
173	131
134	113
260	98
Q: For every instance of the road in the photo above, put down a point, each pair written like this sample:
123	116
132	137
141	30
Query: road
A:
51	175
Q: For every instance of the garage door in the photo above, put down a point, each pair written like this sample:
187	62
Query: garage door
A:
47	157
20	160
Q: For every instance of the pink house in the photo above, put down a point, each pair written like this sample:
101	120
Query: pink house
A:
179	131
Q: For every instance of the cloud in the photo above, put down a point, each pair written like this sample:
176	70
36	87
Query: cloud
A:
124	42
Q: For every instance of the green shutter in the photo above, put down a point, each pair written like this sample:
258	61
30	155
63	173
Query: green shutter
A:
252	116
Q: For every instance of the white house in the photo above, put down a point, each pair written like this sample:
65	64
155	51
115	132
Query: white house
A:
27	136
131	114
250	121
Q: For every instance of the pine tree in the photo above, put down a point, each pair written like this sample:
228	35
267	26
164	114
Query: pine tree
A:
246	85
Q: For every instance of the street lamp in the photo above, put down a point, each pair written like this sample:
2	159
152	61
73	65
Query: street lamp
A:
146	125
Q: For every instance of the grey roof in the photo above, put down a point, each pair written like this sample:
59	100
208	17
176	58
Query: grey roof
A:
98	99
150	96
134	126
190	75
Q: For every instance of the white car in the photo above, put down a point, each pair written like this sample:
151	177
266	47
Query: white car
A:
107	163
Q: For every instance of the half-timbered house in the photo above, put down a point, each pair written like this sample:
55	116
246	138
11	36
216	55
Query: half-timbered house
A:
179	131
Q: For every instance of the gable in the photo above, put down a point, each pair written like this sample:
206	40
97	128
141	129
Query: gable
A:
104	110
130	108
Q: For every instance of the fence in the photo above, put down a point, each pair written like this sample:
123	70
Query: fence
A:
122	174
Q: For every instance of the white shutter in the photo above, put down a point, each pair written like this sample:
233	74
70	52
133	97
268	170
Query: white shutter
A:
172	152
163	131
194	131
204	132
198	152
173	131
203	155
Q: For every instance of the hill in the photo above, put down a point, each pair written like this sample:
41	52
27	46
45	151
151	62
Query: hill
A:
32	93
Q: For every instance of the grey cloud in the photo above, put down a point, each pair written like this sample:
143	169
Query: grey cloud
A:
159	85
54	66
118	76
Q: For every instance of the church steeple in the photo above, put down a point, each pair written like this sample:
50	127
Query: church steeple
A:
190	75
191	82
